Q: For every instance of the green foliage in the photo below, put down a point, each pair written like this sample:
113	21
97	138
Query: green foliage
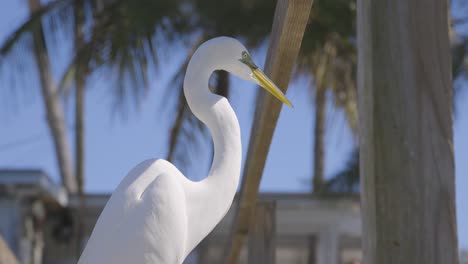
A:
122	38
248	20
347	180
332	17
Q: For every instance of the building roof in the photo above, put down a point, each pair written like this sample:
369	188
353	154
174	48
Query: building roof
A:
296	212
31	182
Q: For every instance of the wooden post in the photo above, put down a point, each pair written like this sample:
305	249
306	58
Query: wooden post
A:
406	145
262	243
312	257
202	251
327	248
288	29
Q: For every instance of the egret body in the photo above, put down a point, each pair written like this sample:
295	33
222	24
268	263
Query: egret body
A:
156	214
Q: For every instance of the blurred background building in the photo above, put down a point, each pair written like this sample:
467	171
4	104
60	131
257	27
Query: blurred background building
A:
38	224
464	256
88	89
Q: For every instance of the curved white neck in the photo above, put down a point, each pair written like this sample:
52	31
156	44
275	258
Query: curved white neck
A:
210	199
215	111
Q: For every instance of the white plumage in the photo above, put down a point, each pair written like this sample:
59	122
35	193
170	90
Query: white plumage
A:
156	214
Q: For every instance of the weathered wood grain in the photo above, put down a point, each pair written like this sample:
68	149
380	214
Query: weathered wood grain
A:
406	142
288	29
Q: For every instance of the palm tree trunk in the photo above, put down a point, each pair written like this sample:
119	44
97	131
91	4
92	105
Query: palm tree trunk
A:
319	138
80	156
80	82
54	110
319	128
175	131
312	257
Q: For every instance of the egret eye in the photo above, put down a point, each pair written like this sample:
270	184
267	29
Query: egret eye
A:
247	60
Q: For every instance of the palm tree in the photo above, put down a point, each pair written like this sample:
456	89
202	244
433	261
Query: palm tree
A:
80	84
56	120
328	53
327	47
120	40
122	37
122	34
347	180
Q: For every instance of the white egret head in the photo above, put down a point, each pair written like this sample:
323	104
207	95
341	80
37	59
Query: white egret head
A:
237	60
261	79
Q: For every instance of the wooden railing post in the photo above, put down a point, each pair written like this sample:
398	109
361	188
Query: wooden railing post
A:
262	242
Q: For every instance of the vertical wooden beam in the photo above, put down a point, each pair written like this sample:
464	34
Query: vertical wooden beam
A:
312	245
327	248
262	242
406	144
202	251
288	29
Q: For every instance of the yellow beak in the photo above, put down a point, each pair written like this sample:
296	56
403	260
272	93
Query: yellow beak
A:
266	83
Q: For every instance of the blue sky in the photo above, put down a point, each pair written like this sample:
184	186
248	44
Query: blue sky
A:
115	144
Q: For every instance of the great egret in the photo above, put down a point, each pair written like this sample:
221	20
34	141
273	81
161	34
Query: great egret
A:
156	214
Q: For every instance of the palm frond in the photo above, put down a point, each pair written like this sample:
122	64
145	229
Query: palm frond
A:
331	30
16	53
346	181
247	20
120	37
460	57
185	125
27	26
343	81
